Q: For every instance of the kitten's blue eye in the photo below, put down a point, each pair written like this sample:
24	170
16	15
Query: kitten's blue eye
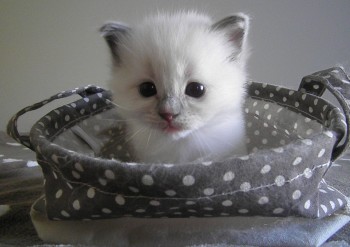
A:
147	89
195	89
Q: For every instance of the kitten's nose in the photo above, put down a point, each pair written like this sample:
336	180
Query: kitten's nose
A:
168	116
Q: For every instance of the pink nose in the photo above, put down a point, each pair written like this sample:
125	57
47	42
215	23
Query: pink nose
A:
167	116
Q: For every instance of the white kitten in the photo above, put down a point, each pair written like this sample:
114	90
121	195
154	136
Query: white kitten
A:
179	80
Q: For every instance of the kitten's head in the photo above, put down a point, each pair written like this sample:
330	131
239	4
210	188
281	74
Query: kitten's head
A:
177	73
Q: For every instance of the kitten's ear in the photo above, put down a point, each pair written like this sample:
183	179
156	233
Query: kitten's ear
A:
236	28
114	33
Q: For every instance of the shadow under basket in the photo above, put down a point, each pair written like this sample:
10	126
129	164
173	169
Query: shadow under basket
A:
93	188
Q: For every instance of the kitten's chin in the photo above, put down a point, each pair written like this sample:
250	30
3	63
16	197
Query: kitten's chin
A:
175	133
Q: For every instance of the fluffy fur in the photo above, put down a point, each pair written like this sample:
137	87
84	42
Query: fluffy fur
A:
171	51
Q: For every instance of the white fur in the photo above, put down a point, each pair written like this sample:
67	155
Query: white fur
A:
171	51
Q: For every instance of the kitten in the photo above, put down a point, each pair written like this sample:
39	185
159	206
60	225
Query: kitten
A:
179	82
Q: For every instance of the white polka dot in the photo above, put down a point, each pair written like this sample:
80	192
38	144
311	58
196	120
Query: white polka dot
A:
67	118
311	110
308	173
207	163
54	158
91	193
188	180
264	141
94	106
69	185
263	200
119	199
266	106
245	187
269	117
332	204
280	180
271	95
229	176
284	99
76	174
208	209
76	205
297	161
190	203
274	133
296	194
324	208
278	150
257	92
106	210
296	104
154	203
133	189
329	134
278	210
65	213
307	204
257	132
321	153
86	100
79	167
244	157
102	181
340	202
307	120
303	97
309	132
59	194
140	210
315	101
265	169
227	203
208	191
192	211
170	192
243	211
307	142
147	180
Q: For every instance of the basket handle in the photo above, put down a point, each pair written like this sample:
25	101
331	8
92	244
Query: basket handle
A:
24	139
338	83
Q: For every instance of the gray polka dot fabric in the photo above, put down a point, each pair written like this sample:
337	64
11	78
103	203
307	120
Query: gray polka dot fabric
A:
292	139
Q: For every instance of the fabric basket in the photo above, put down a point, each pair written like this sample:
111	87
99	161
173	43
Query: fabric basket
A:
292	138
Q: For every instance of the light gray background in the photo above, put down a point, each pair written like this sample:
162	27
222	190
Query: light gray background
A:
50	46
